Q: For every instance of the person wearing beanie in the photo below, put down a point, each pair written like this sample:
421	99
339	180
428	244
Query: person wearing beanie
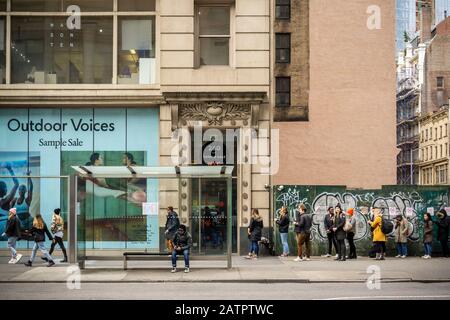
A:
443	227
12	231
57	228
351	233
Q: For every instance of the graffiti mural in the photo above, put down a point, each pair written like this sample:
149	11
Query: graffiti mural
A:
409	201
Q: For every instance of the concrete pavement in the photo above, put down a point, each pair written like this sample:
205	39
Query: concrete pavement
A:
263	270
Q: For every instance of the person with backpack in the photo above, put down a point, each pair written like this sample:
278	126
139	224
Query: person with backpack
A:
328	224
443	227
254	234
427	235
182	242
13	231
401	236
380	228
38	231
171	227
339	232
351	231
303	225
283	228
57	228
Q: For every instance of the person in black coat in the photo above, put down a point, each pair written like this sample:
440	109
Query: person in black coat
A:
255	233
38	231
329	224
339	232
171	227
283	228
12	231
443	224
182	242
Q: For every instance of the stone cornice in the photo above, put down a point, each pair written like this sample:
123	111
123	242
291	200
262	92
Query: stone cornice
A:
238	97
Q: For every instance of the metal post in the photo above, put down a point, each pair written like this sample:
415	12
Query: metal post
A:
72	219
229	222
199	215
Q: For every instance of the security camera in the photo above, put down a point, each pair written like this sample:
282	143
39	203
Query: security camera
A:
280	188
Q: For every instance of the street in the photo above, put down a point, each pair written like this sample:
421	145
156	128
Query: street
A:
226	291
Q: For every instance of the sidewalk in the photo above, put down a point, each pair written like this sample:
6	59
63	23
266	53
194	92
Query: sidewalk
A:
266	269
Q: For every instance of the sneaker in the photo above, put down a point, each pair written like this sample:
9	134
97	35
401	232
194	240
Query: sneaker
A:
326	255
18	257
336	256
424	257
254	257
428	257
398	256
249	256
174	270
307	259
403	257
63	260
298	259
186	270
51	263
12	261
28	263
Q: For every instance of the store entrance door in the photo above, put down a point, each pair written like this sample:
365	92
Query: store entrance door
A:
209	216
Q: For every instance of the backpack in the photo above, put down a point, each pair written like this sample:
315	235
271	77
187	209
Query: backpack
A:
386	226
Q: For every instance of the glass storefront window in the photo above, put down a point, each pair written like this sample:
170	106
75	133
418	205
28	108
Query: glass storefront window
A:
45	51
61	5
2	51
136	50
136	5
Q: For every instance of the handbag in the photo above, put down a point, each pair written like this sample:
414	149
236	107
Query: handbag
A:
347	226
26	235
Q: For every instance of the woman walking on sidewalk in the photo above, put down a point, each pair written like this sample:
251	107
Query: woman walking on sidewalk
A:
38	231
12	231
283	228
427	235
255	232
57	229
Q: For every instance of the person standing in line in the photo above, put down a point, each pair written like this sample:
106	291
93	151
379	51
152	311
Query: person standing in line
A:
13	231
443	227
351	233
378	238
38	231
339	232
427	235
255	233
328	224
57	228
171	227
303	225
401	236
283	228
182	242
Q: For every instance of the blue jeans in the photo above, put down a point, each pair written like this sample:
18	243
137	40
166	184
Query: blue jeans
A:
40	246
12	246
255	247
428	247
186	258
284	241
402	249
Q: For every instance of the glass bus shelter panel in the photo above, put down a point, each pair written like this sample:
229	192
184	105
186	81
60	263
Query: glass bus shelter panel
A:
30	195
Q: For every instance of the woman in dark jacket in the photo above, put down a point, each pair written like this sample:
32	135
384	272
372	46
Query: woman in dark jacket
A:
38	231
12	231
255	233
283	228
427	235
443	226
339	232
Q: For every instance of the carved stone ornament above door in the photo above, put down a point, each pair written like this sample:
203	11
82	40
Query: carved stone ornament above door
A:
214	112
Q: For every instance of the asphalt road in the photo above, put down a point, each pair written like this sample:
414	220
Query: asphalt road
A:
217	291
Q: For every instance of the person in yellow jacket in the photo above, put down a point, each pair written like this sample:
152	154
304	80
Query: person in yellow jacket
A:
379	238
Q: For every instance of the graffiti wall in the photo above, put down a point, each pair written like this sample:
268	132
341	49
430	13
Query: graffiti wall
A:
409	201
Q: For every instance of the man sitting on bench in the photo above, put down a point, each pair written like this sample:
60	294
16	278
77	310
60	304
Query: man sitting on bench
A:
182	241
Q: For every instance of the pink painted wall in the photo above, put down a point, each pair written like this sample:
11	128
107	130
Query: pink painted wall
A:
350	138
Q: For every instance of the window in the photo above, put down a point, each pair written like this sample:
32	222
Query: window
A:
213	35
136	50
45	51
283	47
440	147
283	9
283	91
435	134
441	174
440	132
426	135
136	5
61	5
445	131
446	149
431	133
440	82
435	152
2	50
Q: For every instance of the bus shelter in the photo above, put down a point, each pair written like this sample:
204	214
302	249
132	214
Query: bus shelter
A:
116	210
